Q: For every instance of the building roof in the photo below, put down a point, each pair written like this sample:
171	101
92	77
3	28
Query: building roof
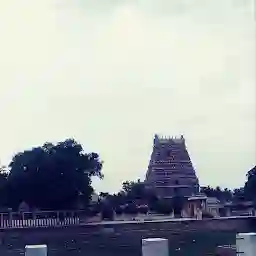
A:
197	197
168	139
212	200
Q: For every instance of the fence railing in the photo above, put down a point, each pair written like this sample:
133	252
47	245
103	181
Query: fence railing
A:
38	219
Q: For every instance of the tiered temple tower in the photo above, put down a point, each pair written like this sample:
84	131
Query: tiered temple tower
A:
170	171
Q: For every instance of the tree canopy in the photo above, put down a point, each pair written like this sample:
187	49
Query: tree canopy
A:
135	197
250	185
3	185
52	176
221	194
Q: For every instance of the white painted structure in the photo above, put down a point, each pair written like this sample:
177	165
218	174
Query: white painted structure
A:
36	250
246	244
47	222
213	206
39	219
155	247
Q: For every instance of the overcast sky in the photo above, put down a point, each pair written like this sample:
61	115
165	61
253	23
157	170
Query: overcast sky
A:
111	73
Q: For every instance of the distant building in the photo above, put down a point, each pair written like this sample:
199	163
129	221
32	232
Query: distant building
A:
213	206
194	207
170	171
200	205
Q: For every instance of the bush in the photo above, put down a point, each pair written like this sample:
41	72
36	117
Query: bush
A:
107	213
143	209
118	210
164	207
131	209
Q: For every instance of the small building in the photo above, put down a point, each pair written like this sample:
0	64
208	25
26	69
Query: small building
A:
199	205
213	206
194	207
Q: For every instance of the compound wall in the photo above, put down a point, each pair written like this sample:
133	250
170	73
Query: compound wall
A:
194	237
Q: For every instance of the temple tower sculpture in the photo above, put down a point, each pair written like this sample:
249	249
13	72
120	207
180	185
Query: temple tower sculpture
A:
170	171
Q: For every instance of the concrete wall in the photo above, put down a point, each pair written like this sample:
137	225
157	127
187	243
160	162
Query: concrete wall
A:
125	239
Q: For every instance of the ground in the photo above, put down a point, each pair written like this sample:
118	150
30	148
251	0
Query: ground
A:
200	244
190	244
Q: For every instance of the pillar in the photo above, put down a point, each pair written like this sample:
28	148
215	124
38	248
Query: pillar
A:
10	219
34	215
155	247
2	221
36	250
246	244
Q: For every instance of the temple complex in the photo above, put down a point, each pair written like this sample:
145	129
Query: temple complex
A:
170	171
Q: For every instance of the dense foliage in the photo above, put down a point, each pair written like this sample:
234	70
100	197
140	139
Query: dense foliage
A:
136	198
250	185
221	194
3	185
53	176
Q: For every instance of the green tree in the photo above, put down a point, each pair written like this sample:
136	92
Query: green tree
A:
250	185
163	206
127	186
239	195
134	190
3	185
134	194
137	191
131	208
107	212
223	195
53	176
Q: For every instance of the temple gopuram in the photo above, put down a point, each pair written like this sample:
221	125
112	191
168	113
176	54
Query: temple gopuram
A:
170	171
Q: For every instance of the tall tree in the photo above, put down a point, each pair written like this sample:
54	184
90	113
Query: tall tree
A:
3	186
53	176
250	185
239	195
